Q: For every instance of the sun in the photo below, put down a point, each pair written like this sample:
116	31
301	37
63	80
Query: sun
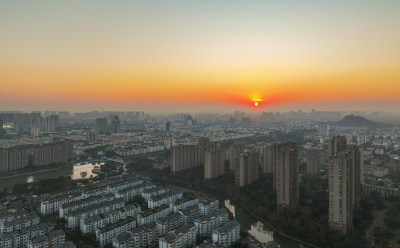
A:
256	102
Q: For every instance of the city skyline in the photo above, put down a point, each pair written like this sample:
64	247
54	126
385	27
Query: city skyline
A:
193	56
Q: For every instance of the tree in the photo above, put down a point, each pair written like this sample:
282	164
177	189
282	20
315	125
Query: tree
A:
138	199
89	239
60	223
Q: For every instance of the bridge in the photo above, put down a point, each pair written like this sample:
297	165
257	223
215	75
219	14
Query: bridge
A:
115	159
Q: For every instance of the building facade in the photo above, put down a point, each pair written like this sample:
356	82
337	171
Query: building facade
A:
286	173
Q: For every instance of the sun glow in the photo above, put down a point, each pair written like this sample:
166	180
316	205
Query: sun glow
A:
256	102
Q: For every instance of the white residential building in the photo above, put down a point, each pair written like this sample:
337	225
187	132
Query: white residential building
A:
86	202
208	223
152	215
208	206
227	235
106	234
183	203
142	236
146	194
165	198
185	236
169	223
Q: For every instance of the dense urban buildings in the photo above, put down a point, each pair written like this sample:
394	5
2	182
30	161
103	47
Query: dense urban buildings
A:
204	143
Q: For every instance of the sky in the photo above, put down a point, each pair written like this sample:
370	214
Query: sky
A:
199	55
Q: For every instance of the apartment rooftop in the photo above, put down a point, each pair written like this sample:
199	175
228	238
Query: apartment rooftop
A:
117	224
185	199
184	229
228	226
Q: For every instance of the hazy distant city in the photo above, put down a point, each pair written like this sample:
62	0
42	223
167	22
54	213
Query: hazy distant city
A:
256	179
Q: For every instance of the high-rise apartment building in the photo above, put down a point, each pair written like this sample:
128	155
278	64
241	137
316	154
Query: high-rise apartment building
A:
336	144
234	153
35	127
3	160
267	159
345	178
185	157
13	158
323	129
357	164
115	124
315	158
52	153
285	157
50	122
214	163
91	137
247	170
340	193
101	125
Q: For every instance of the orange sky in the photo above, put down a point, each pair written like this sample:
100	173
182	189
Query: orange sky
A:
225	53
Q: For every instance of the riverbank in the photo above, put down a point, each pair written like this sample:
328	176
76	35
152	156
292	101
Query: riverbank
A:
75	171
194	187
30	173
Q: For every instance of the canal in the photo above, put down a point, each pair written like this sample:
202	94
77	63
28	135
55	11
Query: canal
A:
248	223
256	228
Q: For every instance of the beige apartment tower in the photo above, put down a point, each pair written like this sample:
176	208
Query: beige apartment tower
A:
234	152
286	172
315	158
336	144
267	166
214	163
247	170
345	172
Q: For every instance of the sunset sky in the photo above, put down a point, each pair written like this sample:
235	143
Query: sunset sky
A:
199	55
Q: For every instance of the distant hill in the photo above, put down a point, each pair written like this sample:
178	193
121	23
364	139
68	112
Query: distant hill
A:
359	121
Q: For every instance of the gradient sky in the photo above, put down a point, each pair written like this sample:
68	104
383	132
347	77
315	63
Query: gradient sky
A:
163	54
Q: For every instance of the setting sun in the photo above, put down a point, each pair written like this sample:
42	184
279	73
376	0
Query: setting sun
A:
257	102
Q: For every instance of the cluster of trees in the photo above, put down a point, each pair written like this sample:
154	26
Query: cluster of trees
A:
83	240
392	217
309	220
93	152
395	177
44	186
111	168
140	164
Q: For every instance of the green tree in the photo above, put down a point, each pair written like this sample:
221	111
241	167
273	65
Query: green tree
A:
138	199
